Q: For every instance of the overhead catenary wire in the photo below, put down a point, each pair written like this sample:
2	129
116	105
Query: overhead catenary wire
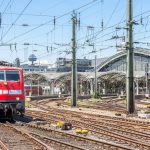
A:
28	14
113	12
1	3
45	54
104	34
17	19
22	34
108	34
117	24
122	21
6	6
58	3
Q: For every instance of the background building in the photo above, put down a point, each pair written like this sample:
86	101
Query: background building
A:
65	65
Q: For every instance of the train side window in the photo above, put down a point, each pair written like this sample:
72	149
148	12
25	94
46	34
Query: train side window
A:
12	76
1	75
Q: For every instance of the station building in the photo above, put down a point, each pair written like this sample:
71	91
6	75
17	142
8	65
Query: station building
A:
111	75
65	65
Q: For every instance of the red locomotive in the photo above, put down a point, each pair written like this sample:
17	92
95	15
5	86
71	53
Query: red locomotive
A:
11	91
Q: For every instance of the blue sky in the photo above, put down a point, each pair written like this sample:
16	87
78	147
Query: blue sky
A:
58	38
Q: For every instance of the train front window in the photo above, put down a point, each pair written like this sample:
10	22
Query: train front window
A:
1	75
12	76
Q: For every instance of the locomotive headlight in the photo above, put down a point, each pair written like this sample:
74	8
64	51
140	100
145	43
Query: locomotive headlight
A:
5	83
17	98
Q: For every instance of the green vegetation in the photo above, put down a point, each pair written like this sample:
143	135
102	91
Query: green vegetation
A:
97	96
84	101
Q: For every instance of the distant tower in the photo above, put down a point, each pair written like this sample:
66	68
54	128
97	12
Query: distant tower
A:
32	58
17	62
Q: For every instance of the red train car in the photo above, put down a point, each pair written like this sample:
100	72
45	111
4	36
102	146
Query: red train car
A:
11	91
33	90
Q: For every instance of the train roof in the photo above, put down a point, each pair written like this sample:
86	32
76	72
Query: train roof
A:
9	68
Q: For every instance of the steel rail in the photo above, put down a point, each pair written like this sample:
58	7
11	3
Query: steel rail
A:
3	146
26	136
80	138
96	129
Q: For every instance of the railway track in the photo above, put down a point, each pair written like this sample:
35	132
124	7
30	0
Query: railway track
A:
12	138
104	133
3	146
126	121
103	128
68	140
101	106
56	144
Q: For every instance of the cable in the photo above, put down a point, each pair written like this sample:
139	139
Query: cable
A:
22	34
36	15
6	7
142	38
98	38
88	7
117	23
98	32
1	3
53	6
124	21
116	6
17	18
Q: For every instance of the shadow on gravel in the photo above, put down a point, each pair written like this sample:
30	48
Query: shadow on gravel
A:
3	121
25	118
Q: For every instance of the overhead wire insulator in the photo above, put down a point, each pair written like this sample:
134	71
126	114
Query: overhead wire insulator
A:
116	37
79	22
54	21
47	42
51	48
47	49
0	20
141	20
102	24
15	47
10	47
93	50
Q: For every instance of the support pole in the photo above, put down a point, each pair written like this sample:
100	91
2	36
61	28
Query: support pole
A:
146	74
38	88
74	67
130	78
95	79
137	86
51	87
91	86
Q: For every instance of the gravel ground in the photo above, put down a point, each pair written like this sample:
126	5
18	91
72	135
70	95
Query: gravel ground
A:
53	104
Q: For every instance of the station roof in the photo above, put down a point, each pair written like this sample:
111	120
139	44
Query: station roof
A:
139	51
111	76
36	77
